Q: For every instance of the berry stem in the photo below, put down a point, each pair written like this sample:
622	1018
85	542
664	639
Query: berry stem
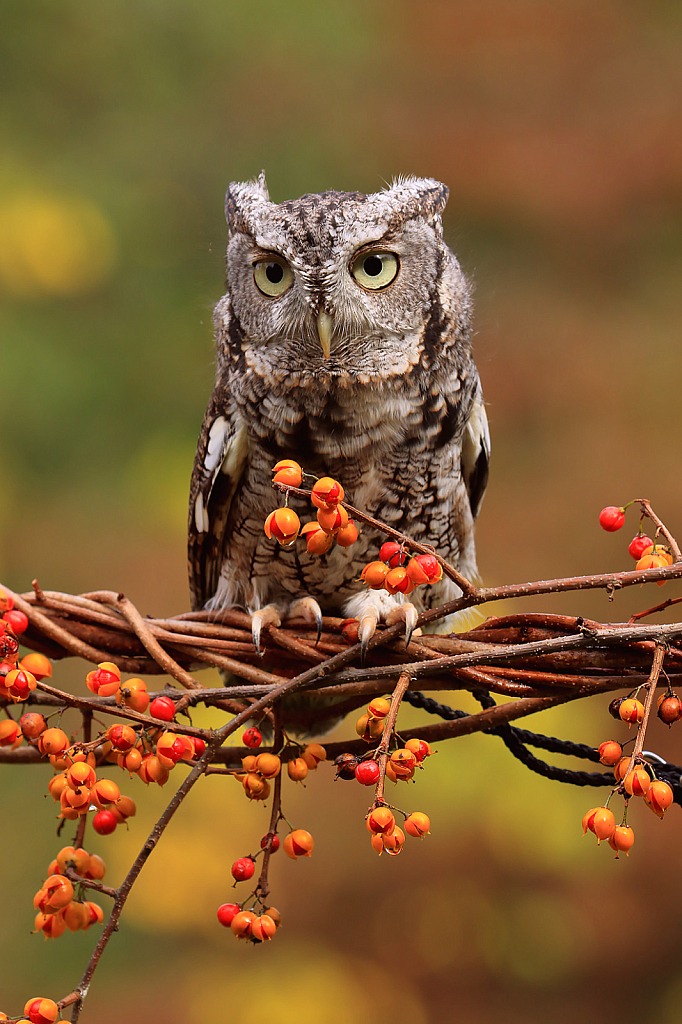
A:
389	725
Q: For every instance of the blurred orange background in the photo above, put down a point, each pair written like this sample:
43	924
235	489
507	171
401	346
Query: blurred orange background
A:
558	128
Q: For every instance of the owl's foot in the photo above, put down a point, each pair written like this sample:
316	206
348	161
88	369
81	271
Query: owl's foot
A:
374	605
409	613
307	608
269	615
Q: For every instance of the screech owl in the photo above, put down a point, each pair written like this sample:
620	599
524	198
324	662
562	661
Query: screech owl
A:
344	342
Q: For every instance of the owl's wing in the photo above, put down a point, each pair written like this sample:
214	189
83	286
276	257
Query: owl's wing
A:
476	452
219	466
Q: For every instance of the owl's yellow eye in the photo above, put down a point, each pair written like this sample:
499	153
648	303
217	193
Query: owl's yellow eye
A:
375	270
272	276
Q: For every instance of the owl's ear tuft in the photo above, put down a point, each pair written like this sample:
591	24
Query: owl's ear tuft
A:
240	201
419	197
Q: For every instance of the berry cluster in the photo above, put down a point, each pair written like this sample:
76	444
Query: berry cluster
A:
332	523
635	776
377	764
260	769
11	616
58	904
398	572
645	552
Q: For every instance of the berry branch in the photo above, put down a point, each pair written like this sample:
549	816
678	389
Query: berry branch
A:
539	660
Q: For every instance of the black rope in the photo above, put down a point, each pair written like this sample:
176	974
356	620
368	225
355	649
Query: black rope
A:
517	742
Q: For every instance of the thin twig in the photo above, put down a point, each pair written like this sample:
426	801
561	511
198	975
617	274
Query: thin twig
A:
389	727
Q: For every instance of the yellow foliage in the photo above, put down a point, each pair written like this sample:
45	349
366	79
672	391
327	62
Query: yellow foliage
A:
53	246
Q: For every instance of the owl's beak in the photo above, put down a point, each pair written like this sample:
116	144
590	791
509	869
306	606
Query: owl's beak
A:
325	322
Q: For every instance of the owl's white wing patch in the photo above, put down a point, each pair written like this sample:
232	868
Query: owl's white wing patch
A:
218	470
476	452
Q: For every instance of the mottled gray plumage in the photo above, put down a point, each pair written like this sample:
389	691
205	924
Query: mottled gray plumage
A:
395	412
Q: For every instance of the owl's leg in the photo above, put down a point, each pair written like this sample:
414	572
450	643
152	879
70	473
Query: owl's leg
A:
307	608
268	615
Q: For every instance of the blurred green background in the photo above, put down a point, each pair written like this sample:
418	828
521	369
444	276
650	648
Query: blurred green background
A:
557	126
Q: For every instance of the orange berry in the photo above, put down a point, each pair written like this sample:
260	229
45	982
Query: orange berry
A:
55	894
287	471
380	820
19	684
398	582
268	765
241	923
133	694
420	748
57	785
78	859
131	761
418	824
51	925
369	729
347	535
637	782
416	573
403	761
37	664
394	842
80	774
331	520
32	725
283	524
96	913
312	754
104	680
379	707
610	752
10	733
274	915
41	1011
104	792
263	928
96	868
125	806
601	821
297	769
53	741
327	491
374	574
298	843
631	710
317	541
77	916
659	797
377	843
256	787
622	839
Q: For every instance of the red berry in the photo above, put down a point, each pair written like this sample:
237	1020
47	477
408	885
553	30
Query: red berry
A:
243	868
638	545
390	554
367	773
17	620
199	746
431	566
275	843
252	737
162	708
611	518
104	823
227	912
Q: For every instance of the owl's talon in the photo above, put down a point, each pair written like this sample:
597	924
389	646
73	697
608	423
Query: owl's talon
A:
267	616
307	608
366	630
408	612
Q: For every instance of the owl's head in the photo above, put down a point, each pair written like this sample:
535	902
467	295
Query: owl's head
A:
343	285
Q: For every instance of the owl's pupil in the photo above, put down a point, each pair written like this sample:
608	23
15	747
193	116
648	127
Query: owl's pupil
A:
274	273
373	266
